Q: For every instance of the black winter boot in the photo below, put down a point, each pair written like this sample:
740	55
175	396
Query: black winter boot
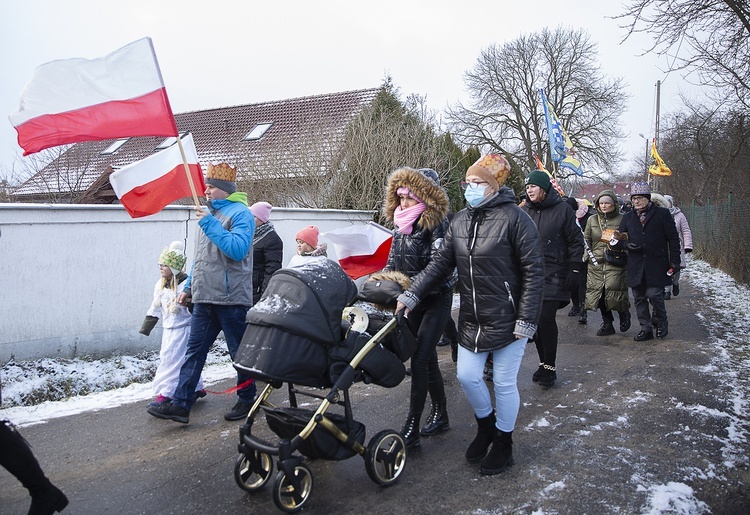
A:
583	318
548	376
537	373
485	431
437	420
410	432
500	456
17	458
624	320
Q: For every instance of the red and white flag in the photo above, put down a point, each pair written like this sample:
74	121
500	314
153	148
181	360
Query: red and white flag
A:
116	96
361	249
146	186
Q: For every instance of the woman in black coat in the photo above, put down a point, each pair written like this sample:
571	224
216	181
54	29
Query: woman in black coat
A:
417	206
496	250
268	249
653	250
562	246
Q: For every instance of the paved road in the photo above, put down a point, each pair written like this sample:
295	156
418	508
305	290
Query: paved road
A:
627	427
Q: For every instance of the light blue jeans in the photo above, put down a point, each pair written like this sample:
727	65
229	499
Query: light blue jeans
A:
507	362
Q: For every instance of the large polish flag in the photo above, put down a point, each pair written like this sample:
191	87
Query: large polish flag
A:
116	96
146	186
361	249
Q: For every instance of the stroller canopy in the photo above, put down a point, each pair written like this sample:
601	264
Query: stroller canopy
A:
306	301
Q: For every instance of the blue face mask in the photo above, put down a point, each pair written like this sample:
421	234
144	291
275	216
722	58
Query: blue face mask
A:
475	196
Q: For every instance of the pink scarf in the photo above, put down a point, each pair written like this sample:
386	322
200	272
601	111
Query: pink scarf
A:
405	218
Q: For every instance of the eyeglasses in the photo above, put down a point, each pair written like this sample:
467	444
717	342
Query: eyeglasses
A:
473	185
637	198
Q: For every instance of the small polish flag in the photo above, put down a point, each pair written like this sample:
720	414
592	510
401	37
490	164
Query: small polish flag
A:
361	249
119	95
147	186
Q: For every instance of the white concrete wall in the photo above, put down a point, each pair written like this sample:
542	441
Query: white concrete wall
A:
76	280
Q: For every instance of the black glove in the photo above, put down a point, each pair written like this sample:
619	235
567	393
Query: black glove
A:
571	281
632	247
148	324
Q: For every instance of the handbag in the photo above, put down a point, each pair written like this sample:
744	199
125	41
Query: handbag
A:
612	256
615	257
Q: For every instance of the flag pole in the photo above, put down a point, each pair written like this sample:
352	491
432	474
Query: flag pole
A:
187	172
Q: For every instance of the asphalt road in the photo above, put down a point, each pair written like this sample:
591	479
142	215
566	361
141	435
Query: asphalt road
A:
628	426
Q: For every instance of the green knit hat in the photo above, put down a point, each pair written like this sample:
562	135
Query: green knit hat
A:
174	257
540	178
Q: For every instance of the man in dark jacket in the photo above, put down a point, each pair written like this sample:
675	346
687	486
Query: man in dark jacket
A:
654	254
562	246
268	249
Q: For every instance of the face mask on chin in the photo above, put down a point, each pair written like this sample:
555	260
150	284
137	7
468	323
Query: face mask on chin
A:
475	196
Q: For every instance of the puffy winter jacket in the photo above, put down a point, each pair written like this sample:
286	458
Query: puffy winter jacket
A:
411	253
497	251
222	271
562	242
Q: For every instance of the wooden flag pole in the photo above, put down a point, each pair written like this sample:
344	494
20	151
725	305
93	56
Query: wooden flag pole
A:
187	172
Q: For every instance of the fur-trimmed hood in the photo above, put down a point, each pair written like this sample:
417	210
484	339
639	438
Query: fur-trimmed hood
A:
426	189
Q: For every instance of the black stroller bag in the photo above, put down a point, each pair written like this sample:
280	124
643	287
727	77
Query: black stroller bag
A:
401	341
380	364
321	444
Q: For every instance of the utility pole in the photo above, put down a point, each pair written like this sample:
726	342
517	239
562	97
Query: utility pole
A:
656	128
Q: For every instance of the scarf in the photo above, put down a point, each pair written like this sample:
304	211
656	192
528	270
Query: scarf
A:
405	218
261	231
641	213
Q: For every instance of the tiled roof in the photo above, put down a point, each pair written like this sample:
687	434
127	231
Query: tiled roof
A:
303	129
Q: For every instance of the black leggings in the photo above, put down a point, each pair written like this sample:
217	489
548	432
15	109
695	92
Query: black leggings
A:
428	319
546	332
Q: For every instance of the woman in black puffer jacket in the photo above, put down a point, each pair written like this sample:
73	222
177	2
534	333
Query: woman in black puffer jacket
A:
562	246
417	206
497	252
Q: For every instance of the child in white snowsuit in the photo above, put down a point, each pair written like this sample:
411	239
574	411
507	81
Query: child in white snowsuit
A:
175	324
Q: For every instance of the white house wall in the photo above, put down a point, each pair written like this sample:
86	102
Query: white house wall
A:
76	280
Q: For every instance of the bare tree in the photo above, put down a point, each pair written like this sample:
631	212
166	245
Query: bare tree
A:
506	113
708	38
708	151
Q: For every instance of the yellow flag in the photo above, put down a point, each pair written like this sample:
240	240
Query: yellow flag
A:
659	167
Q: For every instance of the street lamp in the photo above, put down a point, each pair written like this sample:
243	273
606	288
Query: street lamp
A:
646	140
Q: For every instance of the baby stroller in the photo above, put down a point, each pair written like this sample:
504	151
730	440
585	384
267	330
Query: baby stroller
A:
295	335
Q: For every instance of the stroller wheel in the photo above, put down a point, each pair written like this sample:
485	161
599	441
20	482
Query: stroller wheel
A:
252	473
290	493
385	457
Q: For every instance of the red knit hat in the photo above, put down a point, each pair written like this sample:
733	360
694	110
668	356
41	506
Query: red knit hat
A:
309	235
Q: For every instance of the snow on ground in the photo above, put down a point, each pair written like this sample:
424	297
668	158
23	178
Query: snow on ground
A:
82	385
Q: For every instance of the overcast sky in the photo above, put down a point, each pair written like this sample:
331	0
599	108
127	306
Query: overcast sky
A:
222	53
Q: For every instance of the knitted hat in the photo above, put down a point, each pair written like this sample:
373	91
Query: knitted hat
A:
309	235
539	178
174	257
430	174
222	176
582	208
640	188
492	168
261	211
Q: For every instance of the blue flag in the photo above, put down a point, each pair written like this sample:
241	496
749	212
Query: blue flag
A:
560	146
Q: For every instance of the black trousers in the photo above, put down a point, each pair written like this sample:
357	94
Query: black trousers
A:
428	319
545	338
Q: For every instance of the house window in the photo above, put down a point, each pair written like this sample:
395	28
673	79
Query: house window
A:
257	132
114	147
169	141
